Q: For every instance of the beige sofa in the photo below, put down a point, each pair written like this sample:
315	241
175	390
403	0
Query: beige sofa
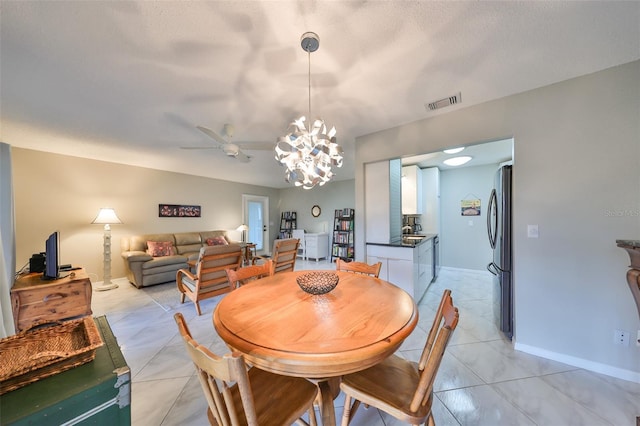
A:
144	270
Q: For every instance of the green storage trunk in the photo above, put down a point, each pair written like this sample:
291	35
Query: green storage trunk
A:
95	393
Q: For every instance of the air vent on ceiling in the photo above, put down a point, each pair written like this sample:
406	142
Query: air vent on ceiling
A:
451	100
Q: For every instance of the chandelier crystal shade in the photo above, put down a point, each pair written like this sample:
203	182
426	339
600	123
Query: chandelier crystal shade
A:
309	153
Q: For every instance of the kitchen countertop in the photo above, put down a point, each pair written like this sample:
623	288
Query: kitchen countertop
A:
406	244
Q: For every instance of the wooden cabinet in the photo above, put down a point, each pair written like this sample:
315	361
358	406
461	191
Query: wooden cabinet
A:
412	190
288	222
317	245
343	235
35	300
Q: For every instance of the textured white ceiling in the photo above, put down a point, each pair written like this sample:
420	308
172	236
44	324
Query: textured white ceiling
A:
128	81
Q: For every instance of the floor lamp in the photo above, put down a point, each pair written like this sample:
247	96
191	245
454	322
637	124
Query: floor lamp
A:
107	216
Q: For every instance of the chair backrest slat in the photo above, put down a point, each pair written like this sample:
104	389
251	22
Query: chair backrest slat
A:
219	376
284	254
445	322
359	267
243	275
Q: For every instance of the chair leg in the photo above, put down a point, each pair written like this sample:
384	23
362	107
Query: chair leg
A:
181	297
312	417
349	410
430	420
197	307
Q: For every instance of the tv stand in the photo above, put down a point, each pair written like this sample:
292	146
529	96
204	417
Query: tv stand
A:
35	301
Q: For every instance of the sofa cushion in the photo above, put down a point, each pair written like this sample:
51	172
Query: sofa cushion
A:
160	262
139	242
217	241
161	248
211	234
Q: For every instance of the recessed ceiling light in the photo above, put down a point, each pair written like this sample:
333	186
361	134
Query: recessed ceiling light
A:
457	161
453	150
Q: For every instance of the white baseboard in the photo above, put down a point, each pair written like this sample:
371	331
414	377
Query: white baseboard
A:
468	271
620	373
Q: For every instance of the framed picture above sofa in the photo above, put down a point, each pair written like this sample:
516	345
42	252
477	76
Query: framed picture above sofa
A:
177	210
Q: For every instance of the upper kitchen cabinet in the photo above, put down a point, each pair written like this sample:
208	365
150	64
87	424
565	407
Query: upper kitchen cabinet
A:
431	200
412	190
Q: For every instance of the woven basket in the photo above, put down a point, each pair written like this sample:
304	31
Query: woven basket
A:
32	355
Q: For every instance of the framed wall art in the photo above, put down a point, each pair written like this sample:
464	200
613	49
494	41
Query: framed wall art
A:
177	210
470	207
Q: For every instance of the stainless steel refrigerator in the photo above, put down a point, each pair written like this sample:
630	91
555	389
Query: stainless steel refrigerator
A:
499	230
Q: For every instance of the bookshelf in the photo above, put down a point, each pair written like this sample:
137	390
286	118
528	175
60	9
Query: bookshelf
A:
287	224
343	238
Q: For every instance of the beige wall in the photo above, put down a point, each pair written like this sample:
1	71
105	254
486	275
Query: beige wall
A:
577	176
57	192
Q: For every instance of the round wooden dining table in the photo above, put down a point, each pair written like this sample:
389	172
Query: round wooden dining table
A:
282	329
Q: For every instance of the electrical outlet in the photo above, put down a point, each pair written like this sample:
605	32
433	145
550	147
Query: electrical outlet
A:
621	337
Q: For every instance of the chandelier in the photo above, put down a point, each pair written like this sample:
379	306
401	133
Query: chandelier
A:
308	151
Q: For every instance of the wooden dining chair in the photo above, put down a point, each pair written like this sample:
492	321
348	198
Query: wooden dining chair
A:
241	276
283	255
239	395
359	267
401	388
302	247
210	278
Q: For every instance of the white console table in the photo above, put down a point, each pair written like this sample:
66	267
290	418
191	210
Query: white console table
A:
317	245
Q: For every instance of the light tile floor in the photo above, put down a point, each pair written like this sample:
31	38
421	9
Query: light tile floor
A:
482	380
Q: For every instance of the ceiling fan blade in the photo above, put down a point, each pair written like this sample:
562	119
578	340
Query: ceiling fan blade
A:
242	157
257	146
213	135
199	147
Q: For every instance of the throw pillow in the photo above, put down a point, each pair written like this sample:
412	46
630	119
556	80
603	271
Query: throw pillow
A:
160	248
217	241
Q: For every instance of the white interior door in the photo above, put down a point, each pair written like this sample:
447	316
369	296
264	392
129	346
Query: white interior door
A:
255	213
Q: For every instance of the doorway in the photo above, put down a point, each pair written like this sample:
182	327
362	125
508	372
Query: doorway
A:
255	213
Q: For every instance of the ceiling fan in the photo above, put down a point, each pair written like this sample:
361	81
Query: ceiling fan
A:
231	149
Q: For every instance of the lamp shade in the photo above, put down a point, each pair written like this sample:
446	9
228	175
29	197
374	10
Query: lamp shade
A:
242	227
107	216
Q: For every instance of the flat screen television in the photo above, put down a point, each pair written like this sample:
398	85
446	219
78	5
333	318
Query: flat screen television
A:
52	256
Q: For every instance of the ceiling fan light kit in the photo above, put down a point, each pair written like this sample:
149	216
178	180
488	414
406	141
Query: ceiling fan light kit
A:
309	153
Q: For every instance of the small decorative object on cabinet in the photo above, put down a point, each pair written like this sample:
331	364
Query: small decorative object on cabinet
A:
343	240
287	224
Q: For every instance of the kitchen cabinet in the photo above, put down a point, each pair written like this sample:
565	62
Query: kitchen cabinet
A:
383	201
425	266
408	267
412	190
431	200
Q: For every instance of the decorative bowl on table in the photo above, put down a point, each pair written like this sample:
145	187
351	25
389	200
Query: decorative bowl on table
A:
318	282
